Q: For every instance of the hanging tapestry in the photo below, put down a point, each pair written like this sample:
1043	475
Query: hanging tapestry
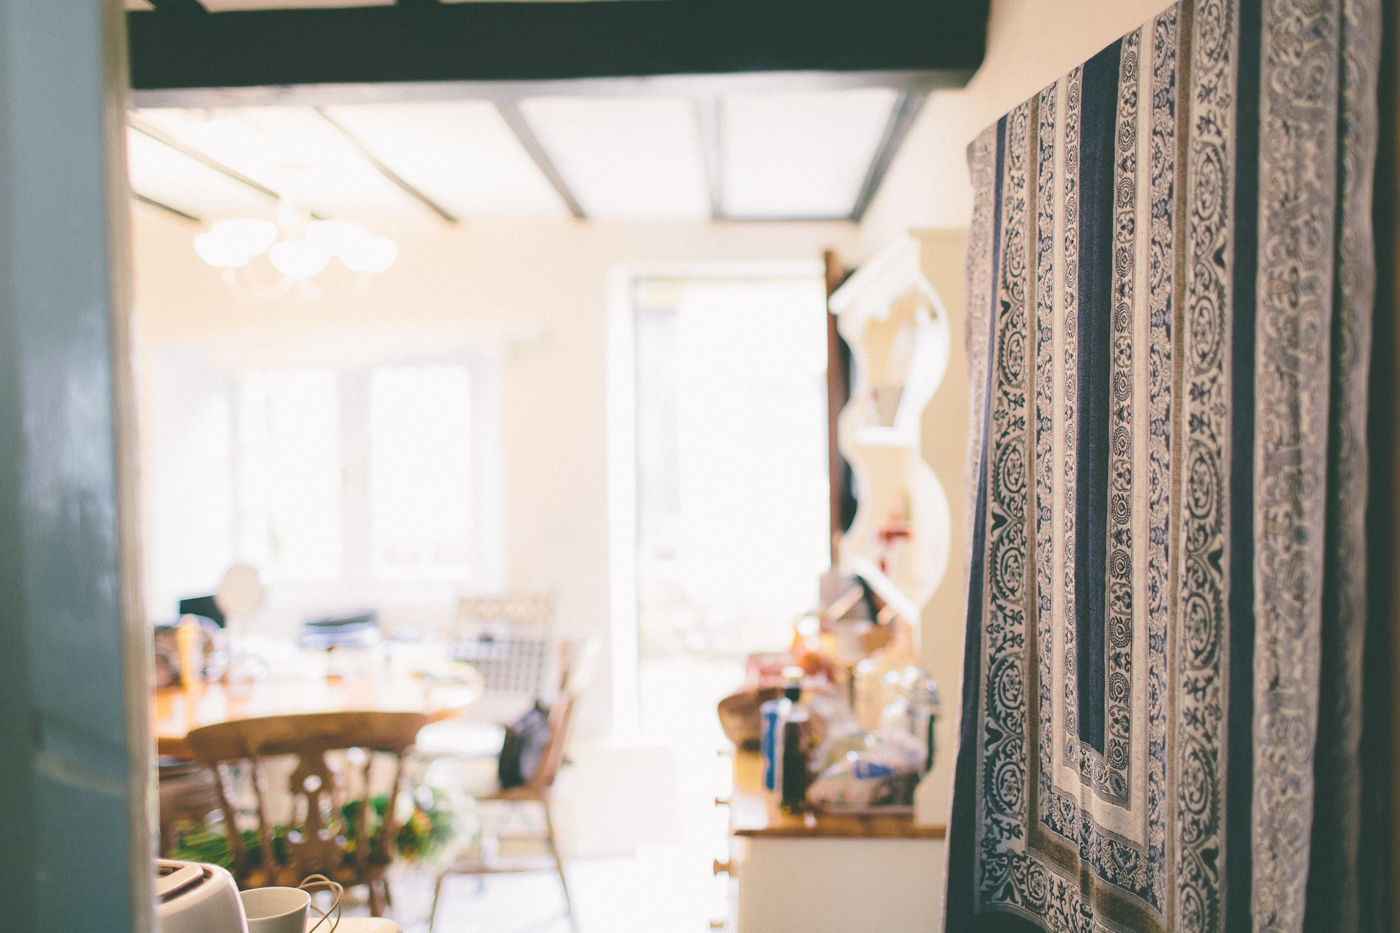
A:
1170	275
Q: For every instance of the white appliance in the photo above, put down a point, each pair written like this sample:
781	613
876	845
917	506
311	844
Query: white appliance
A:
192	897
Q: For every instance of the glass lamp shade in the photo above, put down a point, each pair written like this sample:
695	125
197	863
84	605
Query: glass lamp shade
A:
229	244
299	259
371	254
218	252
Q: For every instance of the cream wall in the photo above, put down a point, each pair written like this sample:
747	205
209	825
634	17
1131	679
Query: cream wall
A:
538	292
943	442
1030	43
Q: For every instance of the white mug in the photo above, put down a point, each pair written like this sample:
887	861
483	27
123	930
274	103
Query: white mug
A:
276	910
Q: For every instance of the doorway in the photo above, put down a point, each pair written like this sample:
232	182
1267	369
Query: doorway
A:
719	498
731	482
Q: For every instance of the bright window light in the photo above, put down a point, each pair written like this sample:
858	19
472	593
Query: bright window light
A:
289	474
421	472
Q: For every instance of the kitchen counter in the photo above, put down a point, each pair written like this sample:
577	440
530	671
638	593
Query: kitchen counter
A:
754	811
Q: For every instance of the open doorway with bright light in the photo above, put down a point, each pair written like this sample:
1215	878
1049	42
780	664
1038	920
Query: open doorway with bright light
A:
719	502
731	482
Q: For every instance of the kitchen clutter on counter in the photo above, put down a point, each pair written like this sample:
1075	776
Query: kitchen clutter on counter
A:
844	719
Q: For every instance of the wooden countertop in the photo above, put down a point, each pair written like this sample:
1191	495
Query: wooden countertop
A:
754	811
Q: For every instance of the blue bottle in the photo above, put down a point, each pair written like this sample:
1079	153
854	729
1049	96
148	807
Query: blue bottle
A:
773	715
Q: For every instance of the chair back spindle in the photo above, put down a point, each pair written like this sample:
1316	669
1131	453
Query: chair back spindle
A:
320	787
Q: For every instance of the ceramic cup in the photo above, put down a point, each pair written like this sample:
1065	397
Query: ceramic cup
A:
276	910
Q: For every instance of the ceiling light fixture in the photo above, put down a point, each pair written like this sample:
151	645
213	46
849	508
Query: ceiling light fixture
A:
297	248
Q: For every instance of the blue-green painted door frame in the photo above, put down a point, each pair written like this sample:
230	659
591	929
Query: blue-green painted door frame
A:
74	745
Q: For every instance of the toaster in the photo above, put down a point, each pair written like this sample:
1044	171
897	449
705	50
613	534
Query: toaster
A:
192	897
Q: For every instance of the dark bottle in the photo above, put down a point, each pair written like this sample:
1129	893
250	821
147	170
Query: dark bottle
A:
773	714
796	747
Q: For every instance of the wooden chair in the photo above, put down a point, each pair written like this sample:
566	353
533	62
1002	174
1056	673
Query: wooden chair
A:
535	792
510	642
320	787
188	795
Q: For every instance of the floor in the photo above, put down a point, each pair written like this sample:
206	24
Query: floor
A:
668	887
644	892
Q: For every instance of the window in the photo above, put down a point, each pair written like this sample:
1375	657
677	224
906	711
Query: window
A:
421	477
289	474
383	473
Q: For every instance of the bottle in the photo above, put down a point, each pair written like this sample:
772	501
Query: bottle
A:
924	706
796	749
772	715
189	643
879	678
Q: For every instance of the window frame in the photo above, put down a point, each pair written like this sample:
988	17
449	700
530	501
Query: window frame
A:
358	571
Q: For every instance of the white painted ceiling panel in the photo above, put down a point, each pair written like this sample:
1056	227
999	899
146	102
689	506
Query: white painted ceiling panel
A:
800	155
625	157
459	153
159	172
294	151
782	156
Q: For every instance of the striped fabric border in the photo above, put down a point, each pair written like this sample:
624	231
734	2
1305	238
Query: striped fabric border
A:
1170	279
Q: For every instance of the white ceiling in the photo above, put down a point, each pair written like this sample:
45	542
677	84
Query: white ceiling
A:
460	153
625	157
759	156
787	155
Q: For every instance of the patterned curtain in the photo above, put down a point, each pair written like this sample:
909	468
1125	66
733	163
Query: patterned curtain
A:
1170	277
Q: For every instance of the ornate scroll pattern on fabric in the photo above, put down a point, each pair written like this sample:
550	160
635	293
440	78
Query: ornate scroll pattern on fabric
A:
1070	380
1119	855
1044	417
1201	635
1297	184
1170	282
1162	283
1002	777
1334	857
1109	773
981	166
1117	768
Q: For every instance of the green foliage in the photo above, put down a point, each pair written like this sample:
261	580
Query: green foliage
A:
201	845
426	830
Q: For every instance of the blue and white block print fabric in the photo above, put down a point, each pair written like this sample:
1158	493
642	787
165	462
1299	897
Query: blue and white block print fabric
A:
1170	276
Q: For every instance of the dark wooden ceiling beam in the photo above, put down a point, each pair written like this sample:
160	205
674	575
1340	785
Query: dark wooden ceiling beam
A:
185	149
902	117
180	7
525	134
394	177
707	129
418	41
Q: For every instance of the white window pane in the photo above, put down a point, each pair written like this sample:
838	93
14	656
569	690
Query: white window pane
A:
421	477
290	474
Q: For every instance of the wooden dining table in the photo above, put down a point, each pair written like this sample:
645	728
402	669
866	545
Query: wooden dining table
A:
176	711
